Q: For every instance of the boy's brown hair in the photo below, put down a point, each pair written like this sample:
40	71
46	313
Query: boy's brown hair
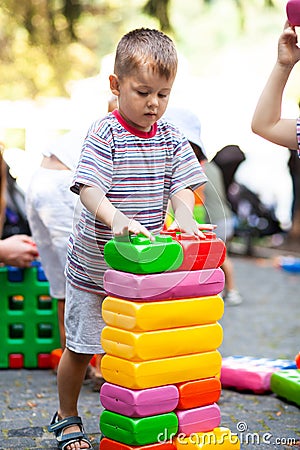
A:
146	46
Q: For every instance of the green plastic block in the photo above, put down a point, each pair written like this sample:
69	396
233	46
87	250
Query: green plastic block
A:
137	254
138	431
286	384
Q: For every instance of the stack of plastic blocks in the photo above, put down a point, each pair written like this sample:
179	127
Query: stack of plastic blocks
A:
161	337
249	373
29	326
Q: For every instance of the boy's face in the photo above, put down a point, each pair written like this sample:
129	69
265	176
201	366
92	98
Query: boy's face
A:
142	96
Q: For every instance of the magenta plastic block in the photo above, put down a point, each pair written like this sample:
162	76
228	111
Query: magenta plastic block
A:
161	286
198	420
139	402
248	373
293	12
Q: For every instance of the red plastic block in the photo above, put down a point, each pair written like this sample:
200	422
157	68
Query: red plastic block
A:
297	360
16	361
193	394
200	253
109	444
44	361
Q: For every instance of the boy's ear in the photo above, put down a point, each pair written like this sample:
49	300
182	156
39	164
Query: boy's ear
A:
114	84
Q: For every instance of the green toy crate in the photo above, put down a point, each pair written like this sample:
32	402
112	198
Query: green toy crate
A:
29	325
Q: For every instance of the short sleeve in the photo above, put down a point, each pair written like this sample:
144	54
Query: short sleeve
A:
95	164
187	171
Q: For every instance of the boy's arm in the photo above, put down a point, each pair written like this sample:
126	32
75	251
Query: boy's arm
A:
183	203
97	203
267	121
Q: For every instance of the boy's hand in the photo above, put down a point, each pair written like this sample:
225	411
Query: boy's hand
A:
123	226
187	224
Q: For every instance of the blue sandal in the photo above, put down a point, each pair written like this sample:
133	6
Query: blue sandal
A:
58	426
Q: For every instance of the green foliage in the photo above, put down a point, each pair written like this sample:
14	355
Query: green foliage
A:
46	43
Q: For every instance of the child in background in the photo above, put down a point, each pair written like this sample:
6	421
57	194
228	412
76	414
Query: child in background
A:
131	164
217	209
50	211
267	121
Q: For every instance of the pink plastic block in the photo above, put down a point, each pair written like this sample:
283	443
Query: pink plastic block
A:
248	373
293	12
198	420
140	402
161	286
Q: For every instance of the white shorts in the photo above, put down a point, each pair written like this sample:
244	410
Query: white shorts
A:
50	212
83	321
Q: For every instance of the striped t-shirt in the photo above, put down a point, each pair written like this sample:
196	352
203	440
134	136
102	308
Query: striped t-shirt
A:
138	172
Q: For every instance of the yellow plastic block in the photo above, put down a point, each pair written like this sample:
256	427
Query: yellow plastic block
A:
219	438
147	316
158	372
144	346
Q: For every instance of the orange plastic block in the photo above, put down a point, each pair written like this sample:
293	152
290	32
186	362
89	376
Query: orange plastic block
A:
220	438
144	346
147	316
55	357
159	372
193	394
109	444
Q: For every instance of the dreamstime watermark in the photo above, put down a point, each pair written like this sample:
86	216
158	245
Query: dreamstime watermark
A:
242	435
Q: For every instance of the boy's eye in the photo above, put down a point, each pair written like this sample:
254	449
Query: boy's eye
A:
142	93
162	95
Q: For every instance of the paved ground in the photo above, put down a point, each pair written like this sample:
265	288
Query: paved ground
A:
265	325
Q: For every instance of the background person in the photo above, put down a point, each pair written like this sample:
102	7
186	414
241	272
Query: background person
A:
18	250
213	195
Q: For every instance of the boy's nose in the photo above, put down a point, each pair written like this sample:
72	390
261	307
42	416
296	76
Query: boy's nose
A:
153	101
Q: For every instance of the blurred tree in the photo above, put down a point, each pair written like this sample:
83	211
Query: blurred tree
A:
160	10
46	43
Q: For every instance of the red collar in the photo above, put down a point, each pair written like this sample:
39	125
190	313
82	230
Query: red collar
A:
135	131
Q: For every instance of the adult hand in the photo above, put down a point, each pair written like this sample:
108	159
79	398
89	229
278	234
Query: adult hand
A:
18	250
288	50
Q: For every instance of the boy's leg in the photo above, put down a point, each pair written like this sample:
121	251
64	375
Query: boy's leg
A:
74	364
70	375
61	321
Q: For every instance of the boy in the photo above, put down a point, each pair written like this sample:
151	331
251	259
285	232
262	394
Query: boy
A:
130	165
